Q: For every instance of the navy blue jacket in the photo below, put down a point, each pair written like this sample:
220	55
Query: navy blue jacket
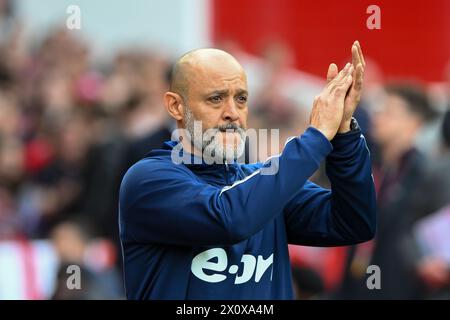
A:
198	231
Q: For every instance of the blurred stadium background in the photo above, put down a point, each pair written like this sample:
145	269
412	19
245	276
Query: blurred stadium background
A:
78	107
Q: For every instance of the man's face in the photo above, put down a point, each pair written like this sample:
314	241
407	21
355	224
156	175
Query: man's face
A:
217	96
393	120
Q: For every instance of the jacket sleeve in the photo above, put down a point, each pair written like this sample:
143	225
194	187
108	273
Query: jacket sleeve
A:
161	202
344	215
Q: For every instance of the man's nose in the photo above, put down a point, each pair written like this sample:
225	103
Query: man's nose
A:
230	112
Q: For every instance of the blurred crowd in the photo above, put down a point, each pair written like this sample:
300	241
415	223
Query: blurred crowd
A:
68	132
70	128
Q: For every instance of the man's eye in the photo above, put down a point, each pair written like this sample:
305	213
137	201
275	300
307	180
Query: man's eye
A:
242	99
215	99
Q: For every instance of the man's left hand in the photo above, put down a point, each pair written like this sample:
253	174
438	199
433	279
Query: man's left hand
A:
354	93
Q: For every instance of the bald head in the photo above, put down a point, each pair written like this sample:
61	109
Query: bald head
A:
201	63
208	86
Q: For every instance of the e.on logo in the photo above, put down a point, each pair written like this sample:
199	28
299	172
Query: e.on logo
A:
252	266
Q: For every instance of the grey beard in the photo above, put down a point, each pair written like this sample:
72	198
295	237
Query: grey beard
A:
212	149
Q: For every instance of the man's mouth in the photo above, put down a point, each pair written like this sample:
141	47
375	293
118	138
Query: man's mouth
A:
228	130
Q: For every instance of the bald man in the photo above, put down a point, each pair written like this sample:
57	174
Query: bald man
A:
208	227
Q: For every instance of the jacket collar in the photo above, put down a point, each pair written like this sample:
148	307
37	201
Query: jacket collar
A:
189	159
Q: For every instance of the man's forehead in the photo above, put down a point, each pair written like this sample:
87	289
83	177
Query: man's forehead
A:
218	75
217	68
208	79
208	69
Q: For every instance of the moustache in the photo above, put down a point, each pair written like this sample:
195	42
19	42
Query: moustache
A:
229	127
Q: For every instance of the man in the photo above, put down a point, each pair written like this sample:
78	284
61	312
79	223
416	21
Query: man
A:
398	173
433	270
221	230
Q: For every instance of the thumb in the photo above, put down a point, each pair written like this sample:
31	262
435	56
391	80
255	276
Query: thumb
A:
332	72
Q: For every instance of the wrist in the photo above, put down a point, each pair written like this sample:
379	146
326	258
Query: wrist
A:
326	133
345	126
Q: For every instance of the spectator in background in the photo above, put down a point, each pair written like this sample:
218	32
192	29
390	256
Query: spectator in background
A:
134	123
71	241
433	271
69	132
437	178
398	170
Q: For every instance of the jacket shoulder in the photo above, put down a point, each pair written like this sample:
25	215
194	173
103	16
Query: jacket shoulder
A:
153	169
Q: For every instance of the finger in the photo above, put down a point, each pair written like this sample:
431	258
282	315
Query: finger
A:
332	72
356	89
341	75
361	56
355	55
347	82
355	59
341	88
359	76
315	101
341	78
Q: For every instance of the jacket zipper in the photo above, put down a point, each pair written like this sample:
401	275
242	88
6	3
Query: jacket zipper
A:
227	170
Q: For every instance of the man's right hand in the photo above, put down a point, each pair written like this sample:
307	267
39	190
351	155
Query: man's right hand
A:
328	107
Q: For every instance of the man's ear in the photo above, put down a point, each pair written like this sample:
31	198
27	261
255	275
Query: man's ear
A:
174	106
